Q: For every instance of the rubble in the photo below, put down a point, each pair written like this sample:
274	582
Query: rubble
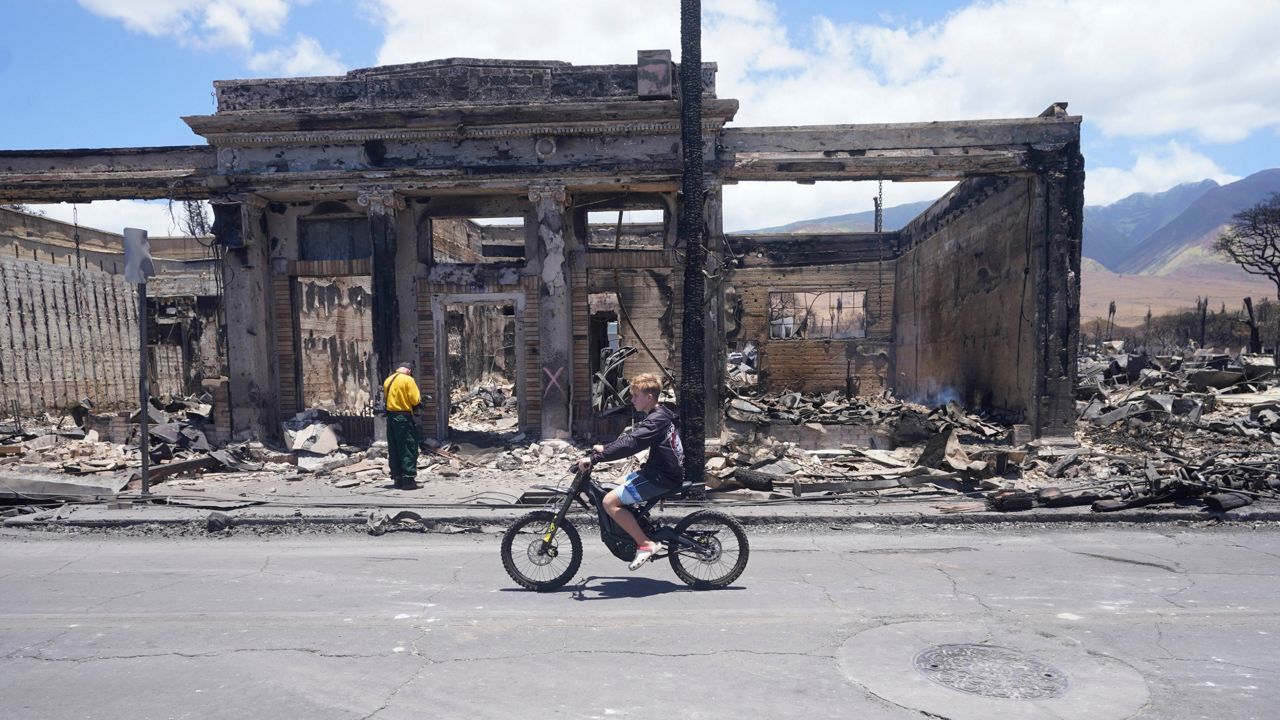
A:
488	406
610	389
1143	420
1200	429
832	408
1169	429
311	431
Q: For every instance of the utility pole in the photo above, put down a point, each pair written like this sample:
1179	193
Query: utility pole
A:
689	233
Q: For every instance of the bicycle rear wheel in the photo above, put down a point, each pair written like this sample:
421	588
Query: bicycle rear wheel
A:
722	553
531	564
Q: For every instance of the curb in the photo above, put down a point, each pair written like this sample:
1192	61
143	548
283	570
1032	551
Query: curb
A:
505	515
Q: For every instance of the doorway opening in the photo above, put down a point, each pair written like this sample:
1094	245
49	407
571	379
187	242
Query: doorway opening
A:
482	373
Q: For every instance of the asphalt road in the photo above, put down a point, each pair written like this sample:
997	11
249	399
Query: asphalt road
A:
1165	623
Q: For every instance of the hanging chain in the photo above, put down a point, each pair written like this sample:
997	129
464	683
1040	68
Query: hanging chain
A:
880	206
880	249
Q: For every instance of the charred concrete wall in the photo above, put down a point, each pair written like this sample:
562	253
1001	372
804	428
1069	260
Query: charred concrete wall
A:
442	82
966	297
335	343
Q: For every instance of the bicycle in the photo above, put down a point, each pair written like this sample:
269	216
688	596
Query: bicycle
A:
707	549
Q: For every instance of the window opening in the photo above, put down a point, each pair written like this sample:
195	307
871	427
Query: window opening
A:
477	240
642	229
817	315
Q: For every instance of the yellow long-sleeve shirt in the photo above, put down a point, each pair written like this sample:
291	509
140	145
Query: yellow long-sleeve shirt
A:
401	392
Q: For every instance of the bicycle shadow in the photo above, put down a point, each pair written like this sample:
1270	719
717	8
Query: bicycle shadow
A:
614	588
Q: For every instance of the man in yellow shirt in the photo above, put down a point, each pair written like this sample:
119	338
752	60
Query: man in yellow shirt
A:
402	396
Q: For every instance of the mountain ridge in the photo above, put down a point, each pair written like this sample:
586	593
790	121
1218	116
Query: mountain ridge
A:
1206	216
1111	232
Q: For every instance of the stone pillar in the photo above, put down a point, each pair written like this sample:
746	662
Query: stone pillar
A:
714	348
555	308
1057	280
388	340
407	265
248	303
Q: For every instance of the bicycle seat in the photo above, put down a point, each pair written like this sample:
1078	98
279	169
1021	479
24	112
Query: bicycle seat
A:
685	487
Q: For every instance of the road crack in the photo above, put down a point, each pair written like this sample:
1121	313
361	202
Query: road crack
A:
955	590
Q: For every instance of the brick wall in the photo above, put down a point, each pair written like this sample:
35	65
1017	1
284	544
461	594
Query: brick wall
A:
335	342
965	306
819	364
457	241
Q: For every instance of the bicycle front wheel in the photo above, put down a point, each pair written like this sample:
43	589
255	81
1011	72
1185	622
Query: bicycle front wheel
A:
722	550
537	565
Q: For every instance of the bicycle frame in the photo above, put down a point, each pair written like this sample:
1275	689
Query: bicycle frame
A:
590	495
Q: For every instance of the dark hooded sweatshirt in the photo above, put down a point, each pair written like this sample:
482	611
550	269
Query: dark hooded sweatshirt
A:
659	432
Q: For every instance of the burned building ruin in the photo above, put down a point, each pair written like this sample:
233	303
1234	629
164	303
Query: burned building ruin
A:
355	217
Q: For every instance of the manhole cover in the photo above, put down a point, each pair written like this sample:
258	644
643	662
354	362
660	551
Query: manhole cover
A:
991	671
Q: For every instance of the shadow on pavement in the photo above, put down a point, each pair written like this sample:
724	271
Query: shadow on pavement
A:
612	588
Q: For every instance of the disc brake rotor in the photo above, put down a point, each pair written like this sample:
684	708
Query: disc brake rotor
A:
711	548
538	556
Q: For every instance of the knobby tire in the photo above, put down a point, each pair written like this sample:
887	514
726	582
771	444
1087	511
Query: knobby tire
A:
727	536
520	544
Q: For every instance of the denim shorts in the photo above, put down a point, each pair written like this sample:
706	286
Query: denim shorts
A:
638	488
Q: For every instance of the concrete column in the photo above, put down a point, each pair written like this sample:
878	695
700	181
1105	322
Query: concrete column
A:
248	302
1057	273
714	347
407	270
555	308
387	280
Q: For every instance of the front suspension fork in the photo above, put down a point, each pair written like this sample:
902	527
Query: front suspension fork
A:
550	535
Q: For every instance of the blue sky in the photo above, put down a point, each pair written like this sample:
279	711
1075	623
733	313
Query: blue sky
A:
1170	91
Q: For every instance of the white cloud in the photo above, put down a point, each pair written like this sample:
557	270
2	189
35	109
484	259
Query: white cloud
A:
585	32
116	215
304	57
201	23
1154	169
1143	68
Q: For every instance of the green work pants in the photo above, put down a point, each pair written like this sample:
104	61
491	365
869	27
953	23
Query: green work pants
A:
402	448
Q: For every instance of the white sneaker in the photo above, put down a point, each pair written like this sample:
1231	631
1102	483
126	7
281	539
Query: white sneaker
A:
643	553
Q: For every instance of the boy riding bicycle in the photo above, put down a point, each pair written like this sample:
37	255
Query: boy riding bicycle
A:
662	471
